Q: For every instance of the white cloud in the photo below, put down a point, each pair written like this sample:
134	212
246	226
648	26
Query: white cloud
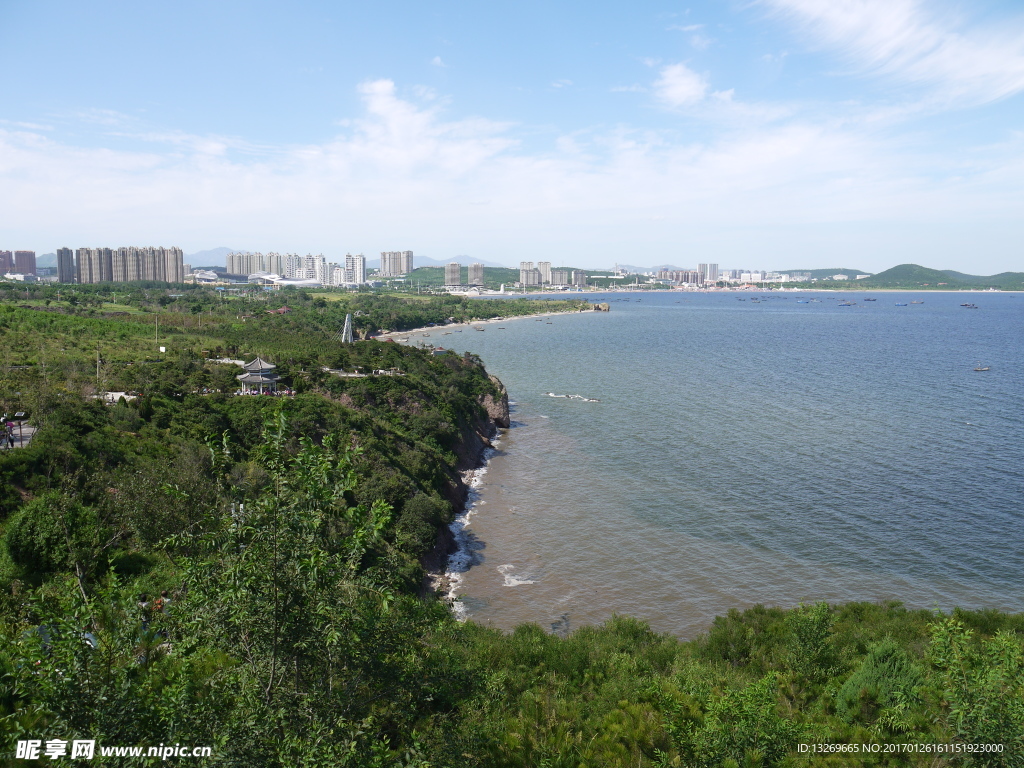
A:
404	171
436	61
561	83
912	43
680	86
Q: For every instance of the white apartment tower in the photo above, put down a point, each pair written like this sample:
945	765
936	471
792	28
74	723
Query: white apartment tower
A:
355	268
528	274
395	263
708	273
476	274
545	271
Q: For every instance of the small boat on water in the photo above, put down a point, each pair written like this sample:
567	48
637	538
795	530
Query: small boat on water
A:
898	304
981	367
479	329
870	299
917	302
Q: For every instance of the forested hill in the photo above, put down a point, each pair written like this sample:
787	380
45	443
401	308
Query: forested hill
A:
187	566
915	276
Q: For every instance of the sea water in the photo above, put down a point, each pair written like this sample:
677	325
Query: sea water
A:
722	453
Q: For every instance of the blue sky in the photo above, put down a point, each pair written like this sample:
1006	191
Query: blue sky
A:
764	134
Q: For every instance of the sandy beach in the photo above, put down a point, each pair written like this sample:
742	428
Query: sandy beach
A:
459	327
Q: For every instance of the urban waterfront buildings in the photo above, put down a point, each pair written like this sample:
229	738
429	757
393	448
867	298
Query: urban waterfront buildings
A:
291	266
544	267
476	274
529	274
707	273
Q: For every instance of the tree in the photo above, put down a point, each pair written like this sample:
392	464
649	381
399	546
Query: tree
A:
982	683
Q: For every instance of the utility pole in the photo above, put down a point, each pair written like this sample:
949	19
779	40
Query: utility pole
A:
156	335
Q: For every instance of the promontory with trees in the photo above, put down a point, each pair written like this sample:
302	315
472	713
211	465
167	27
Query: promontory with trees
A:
182	565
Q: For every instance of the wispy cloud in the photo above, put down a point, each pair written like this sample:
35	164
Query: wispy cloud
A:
912	42
679	86
436	61
403	170
561	83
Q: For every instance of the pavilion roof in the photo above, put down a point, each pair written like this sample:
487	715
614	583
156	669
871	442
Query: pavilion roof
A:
259	364
258	378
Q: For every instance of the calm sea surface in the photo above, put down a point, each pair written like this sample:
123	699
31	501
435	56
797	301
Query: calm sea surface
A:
750	451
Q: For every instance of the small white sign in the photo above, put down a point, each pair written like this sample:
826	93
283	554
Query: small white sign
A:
163	349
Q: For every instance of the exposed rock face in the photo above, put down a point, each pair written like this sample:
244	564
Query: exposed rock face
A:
602	307
470	453
497	407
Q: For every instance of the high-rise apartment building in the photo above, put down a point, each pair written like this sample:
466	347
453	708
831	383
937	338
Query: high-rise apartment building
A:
453	273
245	263
545	271
560	276
395	263
6	262
65	265
103	265
708	273
579	278
355	268
476	274
25	262
528	274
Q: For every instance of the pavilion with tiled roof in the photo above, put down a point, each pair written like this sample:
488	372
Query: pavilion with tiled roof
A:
259	377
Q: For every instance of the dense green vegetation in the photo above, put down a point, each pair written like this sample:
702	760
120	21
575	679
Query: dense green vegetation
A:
291	536
916	277
433	277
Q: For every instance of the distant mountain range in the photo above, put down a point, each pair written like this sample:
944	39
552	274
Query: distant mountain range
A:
215	257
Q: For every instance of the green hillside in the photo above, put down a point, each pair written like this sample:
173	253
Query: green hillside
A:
916	276
494	277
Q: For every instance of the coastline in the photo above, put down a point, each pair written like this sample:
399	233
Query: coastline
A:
445	583
392	334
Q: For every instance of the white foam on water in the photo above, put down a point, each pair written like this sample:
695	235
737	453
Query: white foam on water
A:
511	580
463	558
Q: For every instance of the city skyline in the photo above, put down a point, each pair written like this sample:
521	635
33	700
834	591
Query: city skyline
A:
771	134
